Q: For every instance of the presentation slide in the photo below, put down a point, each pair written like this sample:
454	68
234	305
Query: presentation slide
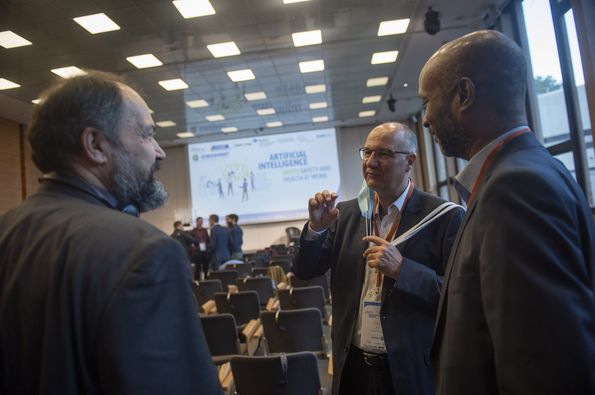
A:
263	179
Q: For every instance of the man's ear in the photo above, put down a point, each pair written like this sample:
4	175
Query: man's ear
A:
465	93
94	146
411	160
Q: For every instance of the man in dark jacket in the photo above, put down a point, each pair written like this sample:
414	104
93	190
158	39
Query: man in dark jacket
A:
220	244
94	300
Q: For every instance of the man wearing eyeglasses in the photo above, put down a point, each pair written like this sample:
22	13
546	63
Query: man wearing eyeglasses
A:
384	294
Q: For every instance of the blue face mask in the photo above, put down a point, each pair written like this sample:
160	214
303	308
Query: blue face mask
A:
365	200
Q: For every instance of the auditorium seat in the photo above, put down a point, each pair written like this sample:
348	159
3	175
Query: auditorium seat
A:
284	374
293	331
244	306
222	336
300	298
262	285
227	277
260	271
284	263
243	269
204	290
322	281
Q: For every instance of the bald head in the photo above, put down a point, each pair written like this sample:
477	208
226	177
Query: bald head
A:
493	62
401	133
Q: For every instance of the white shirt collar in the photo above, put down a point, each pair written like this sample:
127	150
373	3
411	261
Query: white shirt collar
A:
398	204
466	177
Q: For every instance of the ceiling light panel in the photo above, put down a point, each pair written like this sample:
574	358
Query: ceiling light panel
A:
378	81
274	124
318	105
229	129
311	89
323	118
312	66
6	84
384	57
266	111
197	103
97	23
36	101
165	124
9	40
310	37
396	26
224	49
172	85
241	75
215	118
293	1
144	61
185	135
364	114
255	96
371	99
194	8
67	72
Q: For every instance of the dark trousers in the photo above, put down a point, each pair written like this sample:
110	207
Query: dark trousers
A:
201	260
365	375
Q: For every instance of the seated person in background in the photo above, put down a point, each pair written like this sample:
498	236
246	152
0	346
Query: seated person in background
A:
94	300
237	236
188	242
201	255
384	296
219	243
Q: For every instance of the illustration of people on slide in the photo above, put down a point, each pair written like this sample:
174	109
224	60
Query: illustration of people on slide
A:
230	183
251	180
220	187
245	190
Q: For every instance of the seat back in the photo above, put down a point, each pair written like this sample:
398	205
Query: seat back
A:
221	334
244	306
293	330
260	271
301	298
322	281
204	290
227	277
243	269
284	263
285	374
262	285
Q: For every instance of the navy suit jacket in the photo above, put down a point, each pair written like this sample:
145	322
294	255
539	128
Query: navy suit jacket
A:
220	244
518	309
408	305
94	301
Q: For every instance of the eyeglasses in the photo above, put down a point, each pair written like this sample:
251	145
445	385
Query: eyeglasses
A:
381	154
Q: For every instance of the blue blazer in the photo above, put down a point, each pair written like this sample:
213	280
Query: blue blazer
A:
220	244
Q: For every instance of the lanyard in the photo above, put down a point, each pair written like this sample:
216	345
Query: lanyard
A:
395	225
490	161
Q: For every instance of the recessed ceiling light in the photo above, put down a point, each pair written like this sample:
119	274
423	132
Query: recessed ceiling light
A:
311	66
274	124
384	57
405	85
165	124
69	71
316	106
310	89
194	8
224	49
185	135
144	61
241	75
371	99
36	101
293	1
6	84
255	96
172	85
310	37
97	23
378	81
229	129
9	39
266	111
323	118
197	103
214	118
369	113
396	26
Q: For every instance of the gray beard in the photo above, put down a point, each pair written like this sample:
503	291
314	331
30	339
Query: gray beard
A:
130	186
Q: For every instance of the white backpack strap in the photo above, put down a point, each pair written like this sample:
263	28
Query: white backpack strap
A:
428	219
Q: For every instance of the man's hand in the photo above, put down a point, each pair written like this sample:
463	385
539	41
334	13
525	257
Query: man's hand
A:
322	210
384	256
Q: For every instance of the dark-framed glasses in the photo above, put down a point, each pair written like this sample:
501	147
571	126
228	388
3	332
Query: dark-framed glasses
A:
381	154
